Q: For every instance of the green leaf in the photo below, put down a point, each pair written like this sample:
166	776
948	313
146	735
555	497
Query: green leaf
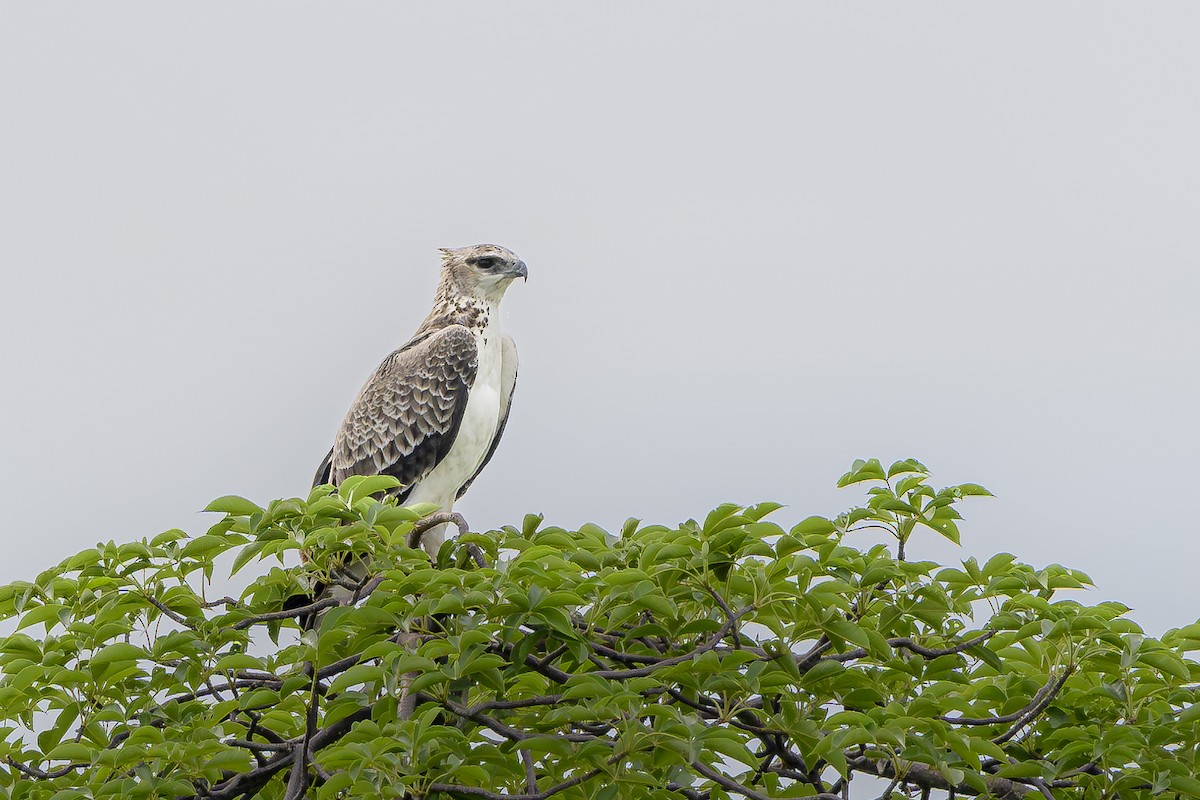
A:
116	653
48	614
243	557
71	751
358	486
554	745
358	674
1027	769
813	525
1185	784
1165	662
861	471
845	629
823	670
1190	714
728	743
905	466
232	504
203	545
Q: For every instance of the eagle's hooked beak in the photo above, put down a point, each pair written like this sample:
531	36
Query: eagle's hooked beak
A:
519	270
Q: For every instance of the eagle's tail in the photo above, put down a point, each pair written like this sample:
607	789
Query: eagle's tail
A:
325	471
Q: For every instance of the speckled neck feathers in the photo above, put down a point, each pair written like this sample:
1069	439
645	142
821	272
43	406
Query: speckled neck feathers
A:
452	306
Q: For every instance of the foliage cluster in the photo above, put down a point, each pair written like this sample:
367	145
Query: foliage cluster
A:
718	658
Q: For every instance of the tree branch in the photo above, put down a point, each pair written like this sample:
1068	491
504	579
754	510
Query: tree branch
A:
1033	704
246	783
1037	708
34	772
728	784
175	615
363	590
530	772
928	777
472	791
507	731
904	643
713	641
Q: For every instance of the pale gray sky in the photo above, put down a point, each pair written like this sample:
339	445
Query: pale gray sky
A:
763	240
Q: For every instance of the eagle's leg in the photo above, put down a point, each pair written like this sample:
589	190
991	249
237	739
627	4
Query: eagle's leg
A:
433	538
431	531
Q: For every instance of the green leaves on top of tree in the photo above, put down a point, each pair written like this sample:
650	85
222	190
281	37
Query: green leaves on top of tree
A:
718	658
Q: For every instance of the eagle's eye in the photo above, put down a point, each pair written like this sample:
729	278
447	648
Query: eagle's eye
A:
487	263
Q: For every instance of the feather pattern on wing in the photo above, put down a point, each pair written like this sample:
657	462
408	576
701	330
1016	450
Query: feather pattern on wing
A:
405	418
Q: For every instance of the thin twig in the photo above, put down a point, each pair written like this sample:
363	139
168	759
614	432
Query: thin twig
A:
887	793
270	747
175	615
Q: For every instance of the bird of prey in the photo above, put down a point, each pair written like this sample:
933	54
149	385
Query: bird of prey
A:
433	412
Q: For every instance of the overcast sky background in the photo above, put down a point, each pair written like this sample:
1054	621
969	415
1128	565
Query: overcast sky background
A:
763	240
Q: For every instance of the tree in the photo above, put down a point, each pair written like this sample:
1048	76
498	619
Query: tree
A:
721	658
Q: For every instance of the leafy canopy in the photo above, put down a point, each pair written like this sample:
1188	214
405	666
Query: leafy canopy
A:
718	658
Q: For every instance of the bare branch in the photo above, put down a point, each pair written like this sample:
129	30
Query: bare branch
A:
737	639
1037	708
1043	788
175	615
529	702
472	791
728	784
713	641
904	643
1033	703
287	613
507	731
270	747
928	777
530	772
43	775
363	590
809	659
299	778
623	657
559	676
689	792
246	783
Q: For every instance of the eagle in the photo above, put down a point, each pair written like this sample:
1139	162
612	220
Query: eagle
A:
432	414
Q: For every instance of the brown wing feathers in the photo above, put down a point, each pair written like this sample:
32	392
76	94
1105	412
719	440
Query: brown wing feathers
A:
406	417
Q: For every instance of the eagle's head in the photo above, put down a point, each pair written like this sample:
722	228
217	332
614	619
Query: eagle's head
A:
482	271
